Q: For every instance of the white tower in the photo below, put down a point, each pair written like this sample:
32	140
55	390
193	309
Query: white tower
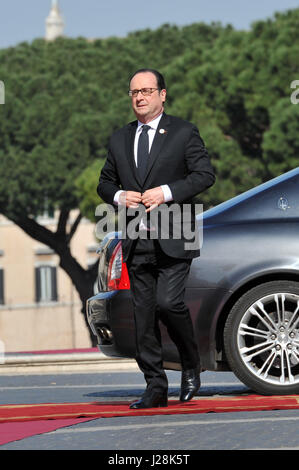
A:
54	23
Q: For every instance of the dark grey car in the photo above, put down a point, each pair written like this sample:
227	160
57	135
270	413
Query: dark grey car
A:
243	291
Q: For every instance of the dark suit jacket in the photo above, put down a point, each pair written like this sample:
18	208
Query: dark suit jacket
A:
178	158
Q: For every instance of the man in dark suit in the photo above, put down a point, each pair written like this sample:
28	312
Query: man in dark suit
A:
158	161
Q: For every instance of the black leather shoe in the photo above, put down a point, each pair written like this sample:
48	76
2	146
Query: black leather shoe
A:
151	400
190	384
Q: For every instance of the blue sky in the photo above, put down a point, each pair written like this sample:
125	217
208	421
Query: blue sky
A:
24	20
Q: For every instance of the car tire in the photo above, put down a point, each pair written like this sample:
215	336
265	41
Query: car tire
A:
261	338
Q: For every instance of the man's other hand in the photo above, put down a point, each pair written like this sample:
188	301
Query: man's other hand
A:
153	198
130	198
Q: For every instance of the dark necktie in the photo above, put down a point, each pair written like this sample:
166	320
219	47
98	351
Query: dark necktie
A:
143	152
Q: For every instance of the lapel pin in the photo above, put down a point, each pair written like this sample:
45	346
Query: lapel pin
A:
162	131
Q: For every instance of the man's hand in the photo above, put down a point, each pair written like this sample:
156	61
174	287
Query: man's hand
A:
153	198
130	198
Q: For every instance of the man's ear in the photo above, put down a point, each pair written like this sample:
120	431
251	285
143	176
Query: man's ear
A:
163	94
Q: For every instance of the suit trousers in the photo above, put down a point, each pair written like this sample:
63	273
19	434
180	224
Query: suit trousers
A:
158	290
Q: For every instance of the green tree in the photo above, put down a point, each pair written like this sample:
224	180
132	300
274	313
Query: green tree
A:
65	98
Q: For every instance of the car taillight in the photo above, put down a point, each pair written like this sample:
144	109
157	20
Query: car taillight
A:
118	277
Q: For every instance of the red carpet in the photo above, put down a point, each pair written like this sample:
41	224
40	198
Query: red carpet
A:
21	421
20	430
108	409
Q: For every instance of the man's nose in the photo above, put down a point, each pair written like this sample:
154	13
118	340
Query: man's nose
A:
139	95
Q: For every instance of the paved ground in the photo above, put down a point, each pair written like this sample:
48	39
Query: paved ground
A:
214	431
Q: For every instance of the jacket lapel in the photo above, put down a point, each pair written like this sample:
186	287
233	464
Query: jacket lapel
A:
130	150
158	142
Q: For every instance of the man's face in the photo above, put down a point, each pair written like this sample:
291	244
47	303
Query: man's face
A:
149	107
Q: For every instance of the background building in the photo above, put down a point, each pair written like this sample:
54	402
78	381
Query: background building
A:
39	306
54	23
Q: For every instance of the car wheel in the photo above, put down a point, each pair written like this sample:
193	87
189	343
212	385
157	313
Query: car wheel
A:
261	338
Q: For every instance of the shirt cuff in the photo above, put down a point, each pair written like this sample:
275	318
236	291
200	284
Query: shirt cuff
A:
116	197
167	193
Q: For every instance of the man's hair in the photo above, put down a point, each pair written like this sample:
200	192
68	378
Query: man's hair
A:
160	79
